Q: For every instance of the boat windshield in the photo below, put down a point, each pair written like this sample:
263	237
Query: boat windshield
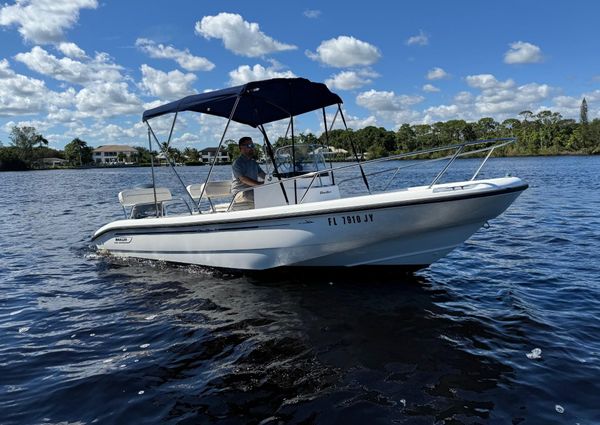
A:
299	159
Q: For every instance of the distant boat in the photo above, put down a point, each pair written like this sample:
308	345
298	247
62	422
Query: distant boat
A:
300	217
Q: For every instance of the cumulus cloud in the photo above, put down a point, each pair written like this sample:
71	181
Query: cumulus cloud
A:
345	51
20	95
184	58
437	73
386	100
244	73
420	39
72	50
312	14
505	97
488	81
44	21
444	112
463	97
97	69
241	37
350	80
107	99
430	88
356	123
523	52
167	85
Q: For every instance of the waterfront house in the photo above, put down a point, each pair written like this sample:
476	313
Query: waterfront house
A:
208	155
52	162
115	154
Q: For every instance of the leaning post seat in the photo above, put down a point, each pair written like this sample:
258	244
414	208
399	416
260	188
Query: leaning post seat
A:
142	200
213	190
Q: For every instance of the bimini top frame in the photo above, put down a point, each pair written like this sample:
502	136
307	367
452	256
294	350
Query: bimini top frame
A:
254	104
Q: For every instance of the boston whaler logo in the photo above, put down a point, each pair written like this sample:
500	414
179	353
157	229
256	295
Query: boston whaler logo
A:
123	239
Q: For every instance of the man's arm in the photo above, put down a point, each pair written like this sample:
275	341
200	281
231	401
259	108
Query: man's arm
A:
249	182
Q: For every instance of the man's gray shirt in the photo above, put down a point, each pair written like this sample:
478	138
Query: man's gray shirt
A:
244	167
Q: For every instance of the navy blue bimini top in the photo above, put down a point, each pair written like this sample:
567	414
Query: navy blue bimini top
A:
260	102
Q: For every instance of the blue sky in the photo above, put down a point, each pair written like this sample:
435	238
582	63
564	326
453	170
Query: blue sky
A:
87	69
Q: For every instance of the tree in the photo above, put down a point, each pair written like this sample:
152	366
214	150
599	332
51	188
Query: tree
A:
583	112
191	154
144	155
526	114
10	160
233	149
406	138
26	139
77	152
583	120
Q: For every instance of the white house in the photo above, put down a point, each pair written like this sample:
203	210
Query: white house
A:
208	155
113	154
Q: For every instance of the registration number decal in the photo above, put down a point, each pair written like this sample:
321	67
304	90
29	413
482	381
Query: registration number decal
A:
350	219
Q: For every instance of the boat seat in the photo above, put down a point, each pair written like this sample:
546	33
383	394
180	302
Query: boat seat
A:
142	201
132	197
213	190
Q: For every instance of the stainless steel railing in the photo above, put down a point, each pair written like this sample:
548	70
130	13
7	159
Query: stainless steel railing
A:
455	151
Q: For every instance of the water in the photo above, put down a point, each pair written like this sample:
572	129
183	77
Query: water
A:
504	330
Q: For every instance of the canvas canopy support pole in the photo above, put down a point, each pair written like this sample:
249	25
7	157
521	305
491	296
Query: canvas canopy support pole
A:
272	156
235	105
337	111
362	171
164	149
327	142
152	167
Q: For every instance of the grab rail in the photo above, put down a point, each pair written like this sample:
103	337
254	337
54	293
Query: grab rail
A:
458	150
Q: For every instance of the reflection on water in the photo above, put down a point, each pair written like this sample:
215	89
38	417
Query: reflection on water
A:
85	338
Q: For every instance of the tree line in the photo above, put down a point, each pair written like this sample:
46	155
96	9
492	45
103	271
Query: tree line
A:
543	133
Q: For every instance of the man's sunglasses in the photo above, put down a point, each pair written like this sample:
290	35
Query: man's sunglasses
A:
249	145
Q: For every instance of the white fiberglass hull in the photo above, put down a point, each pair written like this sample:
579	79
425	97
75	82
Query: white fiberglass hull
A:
410	228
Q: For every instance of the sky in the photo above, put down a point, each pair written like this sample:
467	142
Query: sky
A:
88	69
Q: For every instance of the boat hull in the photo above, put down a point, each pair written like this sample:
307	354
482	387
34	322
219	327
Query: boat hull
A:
409	229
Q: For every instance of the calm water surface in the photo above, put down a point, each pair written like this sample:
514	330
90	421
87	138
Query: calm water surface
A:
85	339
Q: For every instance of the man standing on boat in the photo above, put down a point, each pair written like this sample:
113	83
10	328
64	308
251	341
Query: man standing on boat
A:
246	173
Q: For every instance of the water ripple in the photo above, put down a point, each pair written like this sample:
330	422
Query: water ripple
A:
87	339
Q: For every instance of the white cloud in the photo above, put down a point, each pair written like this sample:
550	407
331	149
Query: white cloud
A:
504	98
345	51
184	58
386	100
437	73
430	88
441	112
20	95
389	107
244	74
44	21
72	50
167	85
239	36
312	14
570	105
98	69
523	52
107	99
38	124
488	81
356	123
421	39
463	97
350	80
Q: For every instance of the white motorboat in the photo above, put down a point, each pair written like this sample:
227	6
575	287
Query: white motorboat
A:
302	216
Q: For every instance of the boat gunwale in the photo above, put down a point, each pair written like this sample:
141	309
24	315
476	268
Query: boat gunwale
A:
448	196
